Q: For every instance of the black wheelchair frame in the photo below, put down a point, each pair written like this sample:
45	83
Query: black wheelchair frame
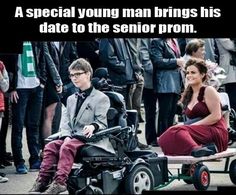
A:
232	121
130	170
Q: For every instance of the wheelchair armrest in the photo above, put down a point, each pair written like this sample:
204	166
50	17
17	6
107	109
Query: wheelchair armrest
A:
52	137
99	135
108	131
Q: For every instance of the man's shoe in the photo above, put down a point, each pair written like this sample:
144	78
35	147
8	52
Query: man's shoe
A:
140	119
139	131
55	188
2	166
38	187
204	151
35	166
143	146
2	174
8	156
3	179
6	163
21	169
154	144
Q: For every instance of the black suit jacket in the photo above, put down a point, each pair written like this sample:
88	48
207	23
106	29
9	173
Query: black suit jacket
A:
166	72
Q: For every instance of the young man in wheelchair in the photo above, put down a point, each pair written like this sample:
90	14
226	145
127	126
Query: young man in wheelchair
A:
85	114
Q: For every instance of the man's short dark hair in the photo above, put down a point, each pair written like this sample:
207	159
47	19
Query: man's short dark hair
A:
81	64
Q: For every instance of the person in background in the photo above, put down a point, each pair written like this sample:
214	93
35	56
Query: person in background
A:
136	90
115	55
149	96
225	47
26	95
4	85
210	48
53	87
67	54
182	45
6	157
167	79
119	56
89	50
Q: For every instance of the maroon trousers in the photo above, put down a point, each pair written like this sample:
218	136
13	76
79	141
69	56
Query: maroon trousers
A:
60	153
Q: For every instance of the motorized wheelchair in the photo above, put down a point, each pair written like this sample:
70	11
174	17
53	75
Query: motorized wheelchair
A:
130	170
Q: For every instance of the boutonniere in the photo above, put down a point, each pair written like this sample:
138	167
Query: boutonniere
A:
88	107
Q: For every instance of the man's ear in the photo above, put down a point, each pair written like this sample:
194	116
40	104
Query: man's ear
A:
90	75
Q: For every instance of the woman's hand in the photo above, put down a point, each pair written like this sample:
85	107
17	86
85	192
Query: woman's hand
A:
88	130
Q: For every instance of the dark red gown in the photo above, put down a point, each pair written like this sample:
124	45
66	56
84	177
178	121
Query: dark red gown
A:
181	140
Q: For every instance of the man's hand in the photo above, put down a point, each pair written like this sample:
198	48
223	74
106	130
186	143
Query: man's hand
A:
14	97
180	62
88	130
67	139
42	85
59	88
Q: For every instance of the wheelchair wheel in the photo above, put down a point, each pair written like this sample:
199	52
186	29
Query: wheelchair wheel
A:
71	191
232	115
232	118
232	121
138	180
187	170
232	171
201	177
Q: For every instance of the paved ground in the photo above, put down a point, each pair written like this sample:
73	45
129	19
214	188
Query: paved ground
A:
20	184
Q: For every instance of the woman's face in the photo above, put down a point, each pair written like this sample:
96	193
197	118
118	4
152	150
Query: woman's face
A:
200	53
193	76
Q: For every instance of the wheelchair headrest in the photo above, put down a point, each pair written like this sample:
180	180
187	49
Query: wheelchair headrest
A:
101	73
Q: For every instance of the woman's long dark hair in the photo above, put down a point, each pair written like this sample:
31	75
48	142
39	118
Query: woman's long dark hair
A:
201	66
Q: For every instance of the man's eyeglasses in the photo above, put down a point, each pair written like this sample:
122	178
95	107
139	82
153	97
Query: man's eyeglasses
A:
76	75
